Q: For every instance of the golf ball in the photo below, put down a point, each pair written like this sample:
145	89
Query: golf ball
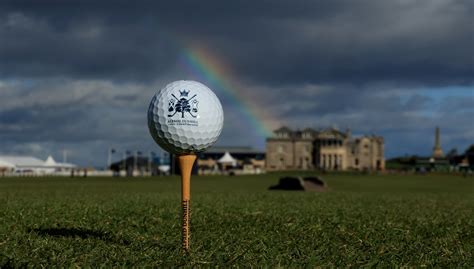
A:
185	117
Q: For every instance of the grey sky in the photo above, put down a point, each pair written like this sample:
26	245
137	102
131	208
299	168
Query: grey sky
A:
78	75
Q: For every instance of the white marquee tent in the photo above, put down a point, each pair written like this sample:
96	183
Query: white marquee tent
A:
4	165
32	165
51	163
227	159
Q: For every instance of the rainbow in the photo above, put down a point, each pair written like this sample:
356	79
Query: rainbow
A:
204	67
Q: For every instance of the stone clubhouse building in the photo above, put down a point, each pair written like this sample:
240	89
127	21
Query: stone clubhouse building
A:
327	149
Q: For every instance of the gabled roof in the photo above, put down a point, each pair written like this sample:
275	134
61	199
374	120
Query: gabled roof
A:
66	165
234	150
332	131
22	160
6	164
227	158
309	130
283	129
50	161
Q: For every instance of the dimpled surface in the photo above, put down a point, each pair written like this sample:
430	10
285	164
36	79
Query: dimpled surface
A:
185	117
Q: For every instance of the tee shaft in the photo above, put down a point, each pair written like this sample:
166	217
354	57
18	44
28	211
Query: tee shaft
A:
186	165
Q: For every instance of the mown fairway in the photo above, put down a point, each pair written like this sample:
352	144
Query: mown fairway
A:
364	220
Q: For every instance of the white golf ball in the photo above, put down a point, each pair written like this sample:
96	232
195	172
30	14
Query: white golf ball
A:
185	117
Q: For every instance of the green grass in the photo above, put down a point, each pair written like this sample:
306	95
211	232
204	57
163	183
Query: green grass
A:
364	220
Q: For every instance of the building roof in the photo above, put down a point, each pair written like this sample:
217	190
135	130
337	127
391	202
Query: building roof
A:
227	158
6	164
22	160
234	150
283	129
50	162
327	133
332	132
309	130
298	133
28	161
66	165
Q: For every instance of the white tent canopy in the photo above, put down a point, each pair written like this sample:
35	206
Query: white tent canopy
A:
164	168
28	164
22	161
5	164
227	159
50	161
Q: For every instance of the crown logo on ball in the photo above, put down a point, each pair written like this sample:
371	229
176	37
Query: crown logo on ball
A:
184	93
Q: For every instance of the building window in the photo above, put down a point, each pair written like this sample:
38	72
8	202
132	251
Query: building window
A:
356	162
280	148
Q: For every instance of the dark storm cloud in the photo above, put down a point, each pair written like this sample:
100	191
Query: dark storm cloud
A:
79	75
278	42
343	102
33	47
37	124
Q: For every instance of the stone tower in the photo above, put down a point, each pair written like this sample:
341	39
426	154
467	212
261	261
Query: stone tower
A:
437	151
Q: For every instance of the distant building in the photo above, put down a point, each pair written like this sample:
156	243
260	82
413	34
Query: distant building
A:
327	149
140	165
27	165
21	164
437	151
237	159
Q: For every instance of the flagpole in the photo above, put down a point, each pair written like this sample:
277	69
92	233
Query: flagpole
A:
161	162
108	159
149	162
135	166
124	162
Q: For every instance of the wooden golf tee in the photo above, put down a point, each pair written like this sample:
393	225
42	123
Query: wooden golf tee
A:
186	165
